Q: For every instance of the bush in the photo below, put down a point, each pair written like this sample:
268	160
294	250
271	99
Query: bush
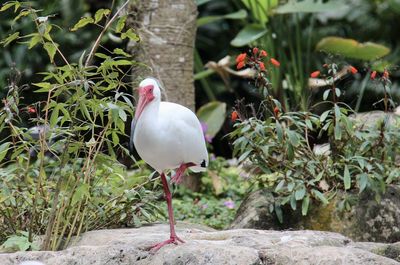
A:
279	145
62	177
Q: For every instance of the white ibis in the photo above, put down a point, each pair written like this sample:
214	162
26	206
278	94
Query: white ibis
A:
167	136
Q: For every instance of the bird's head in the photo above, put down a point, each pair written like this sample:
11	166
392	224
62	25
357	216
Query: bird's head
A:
149	90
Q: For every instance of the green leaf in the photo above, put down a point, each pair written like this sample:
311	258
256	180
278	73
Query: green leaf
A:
304	205
54	116
23	13
261	9
352	49
337	113
293	202
121	52
320	196
362	181
122	114
338	131
131	35
326	94
10	39
293	138
309	6
120	24
324	115
241	14
44	87
279	131
82	22
3	150
8	5
100	14
80	193
280	185
346	178
278	212
34	40
213	115
248	34
299	194
244	156
51	49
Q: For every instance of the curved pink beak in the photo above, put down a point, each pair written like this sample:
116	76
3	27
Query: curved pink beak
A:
145	96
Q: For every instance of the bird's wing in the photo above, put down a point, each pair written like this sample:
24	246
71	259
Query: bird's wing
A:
181	122
131	143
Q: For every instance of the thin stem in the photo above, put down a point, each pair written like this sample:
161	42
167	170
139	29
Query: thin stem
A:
97	42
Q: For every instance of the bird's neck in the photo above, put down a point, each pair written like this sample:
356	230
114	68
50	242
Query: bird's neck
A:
151	111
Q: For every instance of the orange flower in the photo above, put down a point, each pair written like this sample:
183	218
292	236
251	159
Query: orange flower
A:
373	74
263	53
31	110
255	50
386	74
276	111
353	70
275	62
315	74
234	115
241	57
240	65
262	66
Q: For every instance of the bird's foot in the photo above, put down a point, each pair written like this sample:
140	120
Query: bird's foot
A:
173	240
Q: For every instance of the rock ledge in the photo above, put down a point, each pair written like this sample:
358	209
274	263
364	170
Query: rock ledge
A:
204	246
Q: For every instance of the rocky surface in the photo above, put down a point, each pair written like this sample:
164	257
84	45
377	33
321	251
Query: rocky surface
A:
204	246
368	220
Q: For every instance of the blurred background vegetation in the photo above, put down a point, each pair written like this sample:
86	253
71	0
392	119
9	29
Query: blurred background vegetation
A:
293	32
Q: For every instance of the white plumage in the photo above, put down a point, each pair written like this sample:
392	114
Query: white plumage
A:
168	135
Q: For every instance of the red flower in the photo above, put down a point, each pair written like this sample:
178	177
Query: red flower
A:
31	110
275	62
240	65
276	111
241	58
255	50
386	74
373	74
315	74
234	115
262	66
353	70
263	53
325	65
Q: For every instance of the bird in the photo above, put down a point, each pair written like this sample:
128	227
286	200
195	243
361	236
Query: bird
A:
167	136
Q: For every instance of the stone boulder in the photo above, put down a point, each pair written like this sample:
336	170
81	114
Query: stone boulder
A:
368	220
206	247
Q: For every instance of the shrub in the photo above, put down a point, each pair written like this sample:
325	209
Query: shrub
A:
61	176
278	143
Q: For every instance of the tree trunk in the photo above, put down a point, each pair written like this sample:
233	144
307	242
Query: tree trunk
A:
167	29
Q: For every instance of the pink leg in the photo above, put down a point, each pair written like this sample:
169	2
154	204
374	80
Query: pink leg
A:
180	171
174	239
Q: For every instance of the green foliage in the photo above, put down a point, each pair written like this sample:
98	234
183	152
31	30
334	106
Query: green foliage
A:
309	6
213	114
62	177
279	145
352	49
249	34
19	243
216	203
